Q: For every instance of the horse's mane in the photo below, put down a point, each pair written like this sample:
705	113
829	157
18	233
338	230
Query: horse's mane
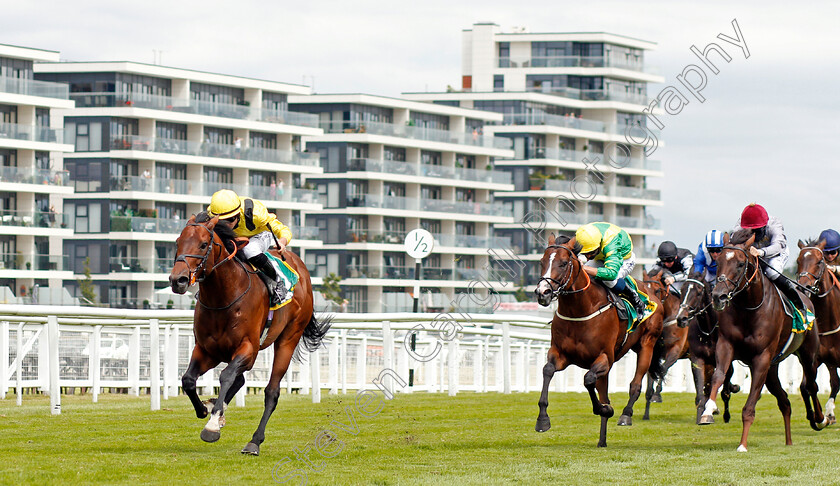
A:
563	239
812	242
224	232
653	271
741	236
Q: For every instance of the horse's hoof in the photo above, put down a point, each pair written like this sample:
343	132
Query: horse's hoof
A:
646	417
625	420
726	417
741	448
602	444
543	425
706	420
251	448
656	398
210	435
734	388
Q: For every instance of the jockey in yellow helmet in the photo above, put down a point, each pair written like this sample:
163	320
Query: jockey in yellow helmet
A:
609	253
250	218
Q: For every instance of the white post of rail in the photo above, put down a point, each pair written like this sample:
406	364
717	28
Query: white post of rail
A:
315	374
4	358
361	364
166	361
332	372
55	387
96	371
19	371
506	357
478	371
344	361
454	372
240	395
388	352
172	356
134	361
154	363
403	366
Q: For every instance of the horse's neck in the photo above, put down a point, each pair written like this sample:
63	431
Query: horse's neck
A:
222	281
829	303
591	298
757	290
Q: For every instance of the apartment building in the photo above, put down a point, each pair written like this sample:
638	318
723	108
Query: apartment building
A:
572	106
390	166
151	145
33	184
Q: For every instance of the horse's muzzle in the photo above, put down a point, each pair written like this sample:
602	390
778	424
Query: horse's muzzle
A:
720	301
682	321
544	297
179	283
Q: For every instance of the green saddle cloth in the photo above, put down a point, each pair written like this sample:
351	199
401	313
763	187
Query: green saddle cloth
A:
288	278
801	323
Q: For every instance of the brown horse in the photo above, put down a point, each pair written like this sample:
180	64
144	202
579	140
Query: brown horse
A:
695	314
674	338
229	318
754	328
587	332
825	294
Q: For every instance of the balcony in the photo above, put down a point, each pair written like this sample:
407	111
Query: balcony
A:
591	94
39	219
141	224
638	193
411	169
216	150
553	120
634	222
160	185
573	61
441	239
31	87
19	261
436	205
416	133
32	175
306	232
139	265
31	133
196	107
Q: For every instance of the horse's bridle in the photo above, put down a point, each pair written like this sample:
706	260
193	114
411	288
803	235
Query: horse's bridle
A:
691	313
815	287
204	273
742	279
567	279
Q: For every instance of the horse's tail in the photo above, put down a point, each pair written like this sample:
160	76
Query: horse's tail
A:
313	334
657	369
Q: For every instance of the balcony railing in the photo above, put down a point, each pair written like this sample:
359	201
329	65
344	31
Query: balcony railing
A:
197	107
436	205
638	193
146	225
306	232
140	265
441	239
31	87
39	219
553	120
638	223
407	168
35	176
591	94
572	61
417	133
216	150
31	133
200	188
19	261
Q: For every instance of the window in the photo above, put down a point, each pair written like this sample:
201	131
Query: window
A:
498	82
8	114
504	54
263	140
430	121
275	101
394	153
171	131
216	94
430	158
176	211
8	158
464	228
431	226
396	189
430	192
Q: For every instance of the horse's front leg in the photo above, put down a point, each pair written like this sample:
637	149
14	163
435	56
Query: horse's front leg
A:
283	353
807	355
554	363
648	396
229	380
834	380
723	361
698	366
200	363
759	368
642	365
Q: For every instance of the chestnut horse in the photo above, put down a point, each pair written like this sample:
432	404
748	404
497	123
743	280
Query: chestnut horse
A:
229	318
674	338
696	314
754	328
825	294
587	332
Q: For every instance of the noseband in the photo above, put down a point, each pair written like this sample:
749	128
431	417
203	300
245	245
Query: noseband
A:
203	258
567	279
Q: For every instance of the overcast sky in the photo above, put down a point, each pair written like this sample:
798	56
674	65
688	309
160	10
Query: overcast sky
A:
764	134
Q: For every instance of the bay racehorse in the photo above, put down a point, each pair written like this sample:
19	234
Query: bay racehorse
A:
825	294
754	328
231	312
674	338
696	314
587	332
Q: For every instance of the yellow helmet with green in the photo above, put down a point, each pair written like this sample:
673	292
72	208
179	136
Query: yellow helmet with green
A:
589	237
224	204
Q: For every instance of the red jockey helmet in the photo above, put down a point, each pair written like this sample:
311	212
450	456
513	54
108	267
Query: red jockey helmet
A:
754	216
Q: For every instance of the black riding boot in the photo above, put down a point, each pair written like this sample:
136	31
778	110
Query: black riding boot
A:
634	299
267	272
787	288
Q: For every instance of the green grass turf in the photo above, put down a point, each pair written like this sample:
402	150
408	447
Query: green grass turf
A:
416	439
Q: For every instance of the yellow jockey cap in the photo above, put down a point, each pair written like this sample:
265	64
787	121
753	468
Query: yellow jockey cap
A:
589	238
224	204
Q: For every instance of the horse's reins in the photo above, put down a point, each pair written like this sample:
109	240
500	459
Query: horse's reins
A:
561	285
194	271
692	313
737	289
